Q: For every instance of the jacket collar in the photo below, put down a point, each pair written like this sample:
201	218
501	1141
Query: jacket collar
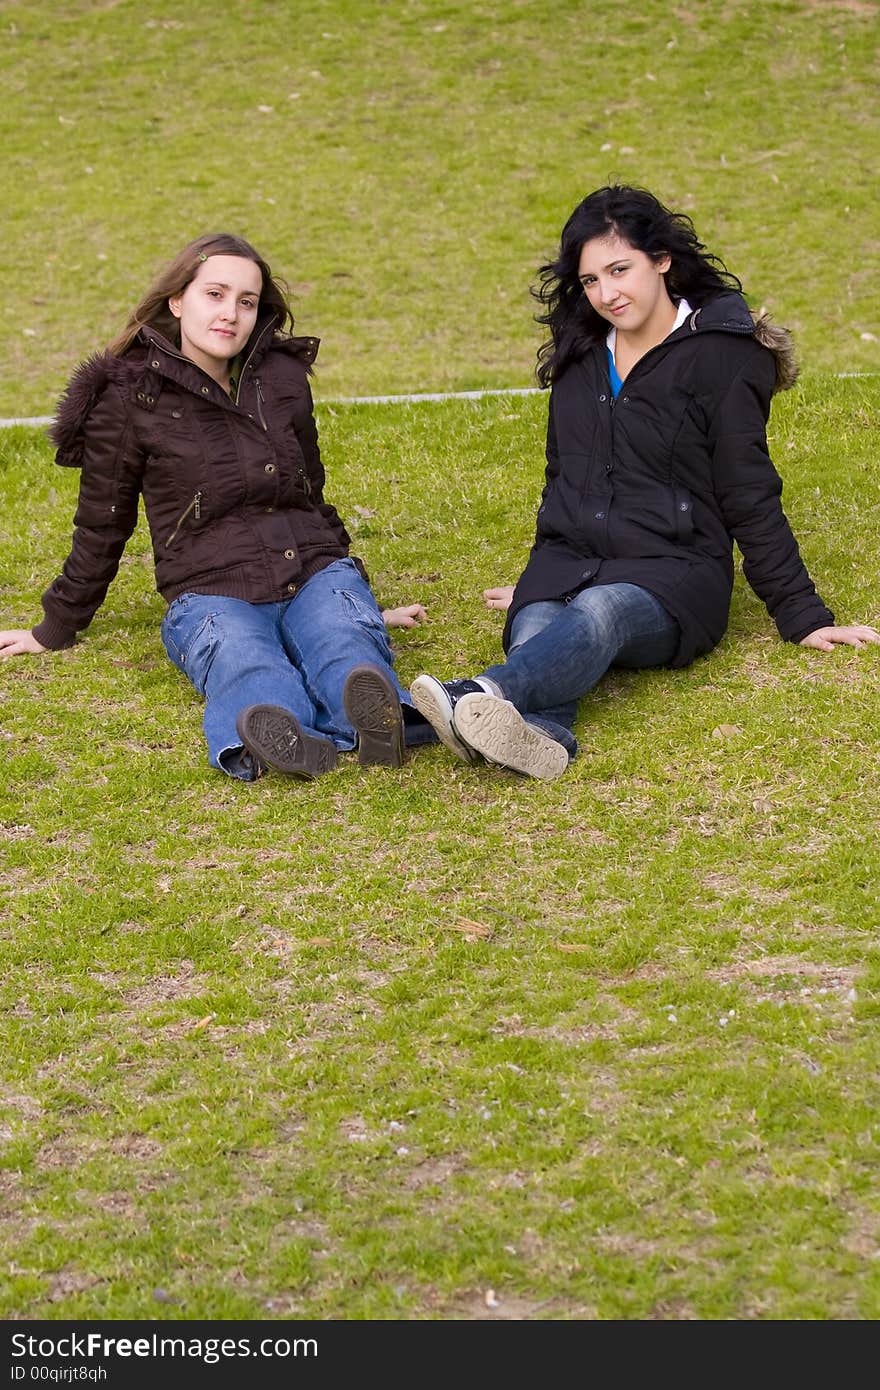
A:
171	361
254	350
728	313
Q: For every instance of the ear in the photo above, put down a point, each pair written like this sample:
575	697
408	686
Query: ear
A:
174	305
663	263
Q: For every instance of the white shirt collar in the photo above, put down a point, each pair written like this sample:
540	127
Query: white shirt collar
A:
684	309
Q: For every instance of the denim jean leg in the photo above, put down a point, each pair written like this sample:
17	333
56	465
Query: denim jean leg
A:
232	653
603	625
558	721
333	624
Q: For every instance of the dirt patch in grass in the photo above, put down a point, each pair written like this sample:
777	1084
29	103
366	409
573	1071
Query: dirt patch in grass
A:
66	1152
491	1305
673	1310
162	989
863	1237
864	9
608	1030
434	1172
10	1190
117	1204
27	1106
833	978
10	834
69	1281
136	1147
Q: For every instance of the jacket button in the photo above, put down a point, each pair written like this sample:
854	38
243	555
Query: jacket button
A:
176	414
269	468
204	390
603	398
290	554
625	400
682	506
291	588
600	516
154	363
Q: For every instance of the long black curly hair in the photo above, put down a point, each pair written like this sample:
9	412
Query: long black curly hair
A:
640	219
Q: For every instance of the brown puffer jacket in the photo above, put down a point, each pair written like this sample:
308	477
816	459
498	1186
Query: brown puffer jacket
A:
233	490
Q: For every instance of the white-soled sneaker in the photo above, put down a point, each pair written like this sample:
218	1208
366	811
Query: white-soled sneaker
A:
497	730
436	701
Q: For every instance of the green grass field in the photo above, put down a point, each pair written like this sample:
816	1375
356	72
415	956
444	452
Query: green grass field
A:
407	165
441	1043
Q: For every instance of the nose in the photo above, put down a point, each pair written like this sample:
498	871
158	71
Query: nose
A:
609	291
229	311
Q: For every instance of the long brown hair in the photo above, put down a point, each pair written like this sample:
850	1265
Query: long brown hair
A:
153	312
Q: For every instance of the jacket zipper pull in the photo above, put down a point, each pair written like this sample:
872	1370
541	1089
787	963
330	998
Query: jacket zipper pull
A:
261	401
195	506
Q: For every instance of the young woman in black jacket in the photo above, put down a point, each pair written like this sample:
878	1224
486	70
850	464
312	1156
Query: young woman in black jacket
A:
202	407
657	462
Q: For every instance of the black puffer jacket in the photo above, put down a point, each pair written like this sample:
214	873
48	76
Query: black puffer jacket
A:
653	489
233	490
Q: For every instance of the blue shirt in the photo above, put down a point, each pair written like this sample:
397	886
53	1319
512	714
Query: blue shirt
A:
616	381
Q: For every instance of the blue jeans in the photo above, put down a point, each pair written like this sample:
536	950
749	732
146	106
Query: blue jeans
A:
559	650
295	653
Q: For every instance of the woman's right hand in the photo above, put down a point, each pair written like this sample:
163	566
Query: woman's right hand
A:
19	640
500	597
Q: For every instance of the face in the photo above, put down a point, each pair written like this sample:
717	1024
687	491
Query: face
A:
626	286
217	312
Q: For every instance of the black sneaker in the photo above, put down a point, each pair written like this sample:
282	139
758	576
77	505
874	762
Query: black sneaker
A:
275	738
436	701
373	706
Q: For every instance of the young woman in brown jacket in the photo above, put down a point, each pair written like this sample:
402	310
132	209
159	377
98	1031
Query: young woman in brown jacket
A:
202	407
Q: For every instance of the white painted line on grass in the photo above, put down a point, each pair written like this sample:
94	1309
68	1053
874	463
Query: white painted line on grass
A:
36	420
432	396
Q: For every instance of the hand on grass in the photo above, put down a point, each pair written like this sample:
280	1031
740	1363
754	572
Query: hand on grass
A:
500	597
409	615
17	641
824	639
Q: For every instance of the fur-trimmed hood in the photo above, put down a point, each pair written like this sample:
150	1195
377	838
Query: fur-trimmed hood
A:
779	341
84	390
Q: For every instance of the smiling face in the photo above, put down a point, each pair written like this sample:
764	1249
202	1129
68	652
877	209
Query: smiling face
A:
626	287
217	312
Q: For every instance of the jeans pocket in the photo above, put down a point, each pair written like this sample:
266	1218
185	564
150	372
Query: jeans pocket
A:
190	638
366	616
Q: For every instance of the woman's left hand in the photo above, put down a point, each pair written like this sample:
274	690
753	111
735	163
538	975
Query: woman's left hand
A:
825	639
410	615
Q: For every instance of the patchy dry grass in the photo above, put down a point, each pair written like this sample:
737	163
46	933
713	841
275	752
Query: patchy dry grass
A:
441	1043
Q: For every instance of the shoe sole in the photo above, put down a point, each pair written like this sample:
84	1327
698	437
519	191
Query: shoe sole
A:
432	702
273	736
373	707
497	730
